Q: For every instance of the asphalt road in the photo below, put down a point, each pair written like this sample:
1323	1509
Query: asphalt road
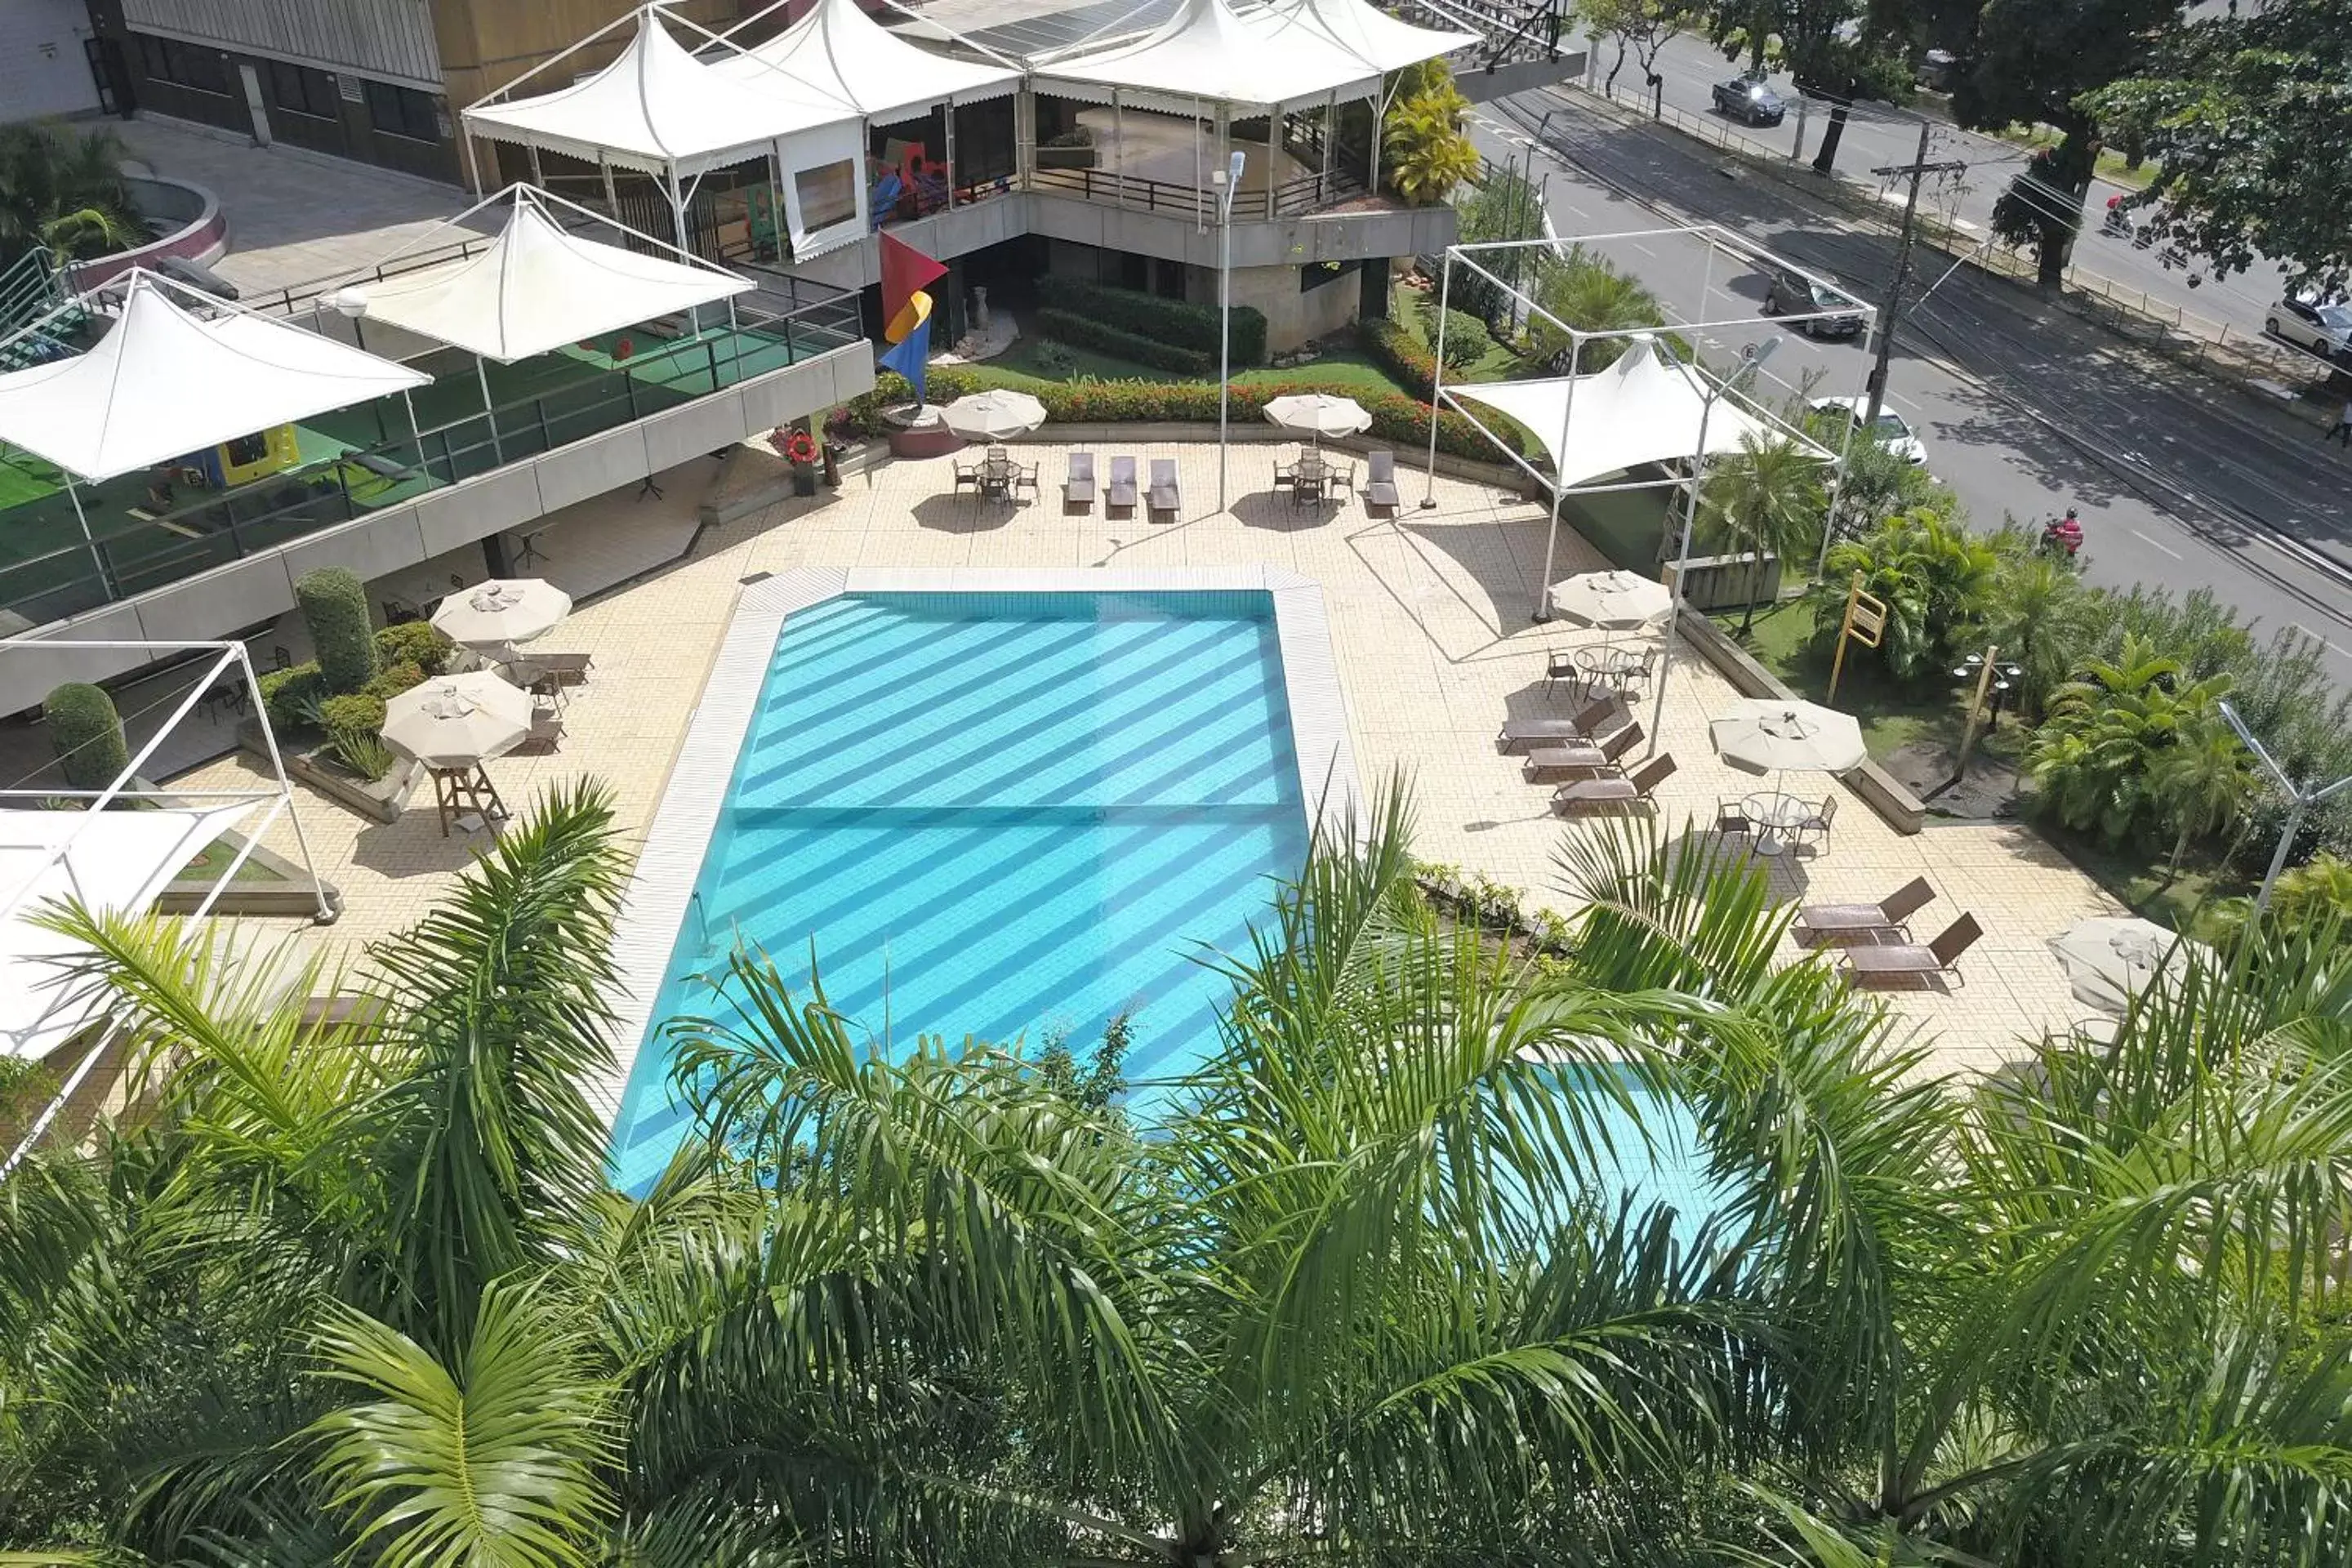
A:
1879	137
2025	409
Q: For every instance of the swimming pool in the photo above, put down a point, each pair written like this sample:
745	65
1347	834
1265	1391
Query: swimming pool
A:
996	813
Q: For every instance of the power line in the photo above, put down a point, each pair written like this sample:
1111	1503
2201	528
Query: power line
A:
1890	315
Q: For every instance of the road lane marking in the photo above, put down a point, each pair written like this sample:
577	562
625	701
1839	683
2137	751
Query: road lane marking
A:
2152	544
2306	631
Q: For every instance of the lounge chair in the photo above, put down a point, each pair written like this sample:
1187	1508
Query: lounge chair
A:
1165	498
1079	489
1122	486
1586	757
546	733
1589	719
1909	961
1380	481
1836	923
1621	789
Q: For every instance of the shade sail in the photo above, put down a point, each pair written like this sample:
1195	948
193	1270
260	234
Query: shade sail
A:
1208	51
1640	410
164	384
839	53
654	107
117	860
536	288
1370	33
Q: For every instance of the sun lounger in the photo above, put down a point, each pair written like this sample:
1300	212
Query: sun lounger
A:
1079	489
1166	501
1585	757
546	733
1834	922
1910	960
1633	789
1380	481
1122	485
1590	720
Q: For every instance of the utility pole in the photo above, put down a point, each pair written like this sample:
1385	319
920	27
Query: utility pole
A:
1891	313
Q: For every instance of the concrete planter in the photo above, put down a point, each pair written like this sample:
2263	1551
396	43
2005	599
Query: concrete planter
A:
378	800
291	893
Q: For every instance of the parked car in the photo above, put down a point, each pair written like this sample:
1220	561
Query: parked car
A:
1746	99
1936	71
1892	433
2325	330
1793	293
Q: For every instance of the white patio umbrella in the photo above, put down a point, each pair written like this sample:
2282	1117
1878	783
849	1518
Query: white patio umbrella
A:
1617	601
1318	414
993	416
456	721
501	612
2111	958
1774	735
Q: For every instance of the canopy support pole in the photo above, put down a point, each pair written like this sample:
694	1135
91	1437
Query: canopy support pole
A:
1273	154
1224	159
1200	151
1119	134
1330	137
685	246
489	416
473	165
948	115
97	556
612	201
1558	481
1437	376
416	434
537	180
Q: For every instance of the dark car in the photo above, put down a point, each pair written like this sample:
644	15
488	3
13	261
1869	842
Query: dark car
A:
1792	293
1746	99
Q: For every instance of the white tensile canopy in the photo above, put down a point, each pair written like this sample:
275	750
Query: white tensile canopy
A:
117	860
162	384
536	288
837	51
1208	51
658	110
1640	410
1369	33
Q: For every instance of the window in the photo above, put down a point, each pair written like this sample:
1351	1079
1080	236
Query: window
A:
828	195
403	112
301	90
183	64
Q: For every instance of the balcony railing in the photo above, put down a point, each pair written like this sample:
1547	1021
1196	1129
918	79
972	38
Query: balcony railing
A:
1291	198
166	544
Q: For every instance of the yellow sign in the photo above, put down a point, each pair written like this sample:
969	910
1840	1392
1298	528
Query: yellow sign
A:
1865	622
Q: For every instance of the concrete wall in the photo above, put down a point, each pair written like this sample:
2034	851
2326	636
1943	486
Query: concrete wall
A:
1293	316
43	70
261	586
387	38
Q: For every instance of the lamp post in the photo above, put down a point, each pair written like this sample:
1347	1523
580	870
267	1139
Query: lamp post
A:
1227	180
1751	359
2304	799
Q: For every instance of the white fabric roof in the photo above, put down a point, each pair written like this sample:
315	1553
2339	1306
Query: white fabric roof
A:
162	384
1642	409
657	104
536	288
1370	33
119	860
838	52
1208	50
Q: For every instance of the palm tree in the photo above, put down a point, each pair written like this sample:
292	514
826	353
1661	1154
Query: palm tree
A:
1421	143
62	192
2097	758
1590	296
2202	781
1934	575
1769	496
2044	620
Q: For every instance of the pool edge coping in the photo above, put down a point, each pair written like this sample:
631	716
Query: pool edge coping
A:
661	883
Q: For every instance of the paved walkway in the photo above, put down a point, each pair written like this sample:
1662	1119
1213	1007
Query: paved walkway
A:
1428	617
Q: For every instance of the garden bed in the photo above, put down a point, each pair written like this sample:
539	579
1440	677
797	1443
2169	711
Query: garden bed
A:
266	884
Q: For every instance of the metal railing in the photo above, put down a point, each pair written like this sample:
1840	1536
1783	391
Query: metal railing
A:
223	526
1292	198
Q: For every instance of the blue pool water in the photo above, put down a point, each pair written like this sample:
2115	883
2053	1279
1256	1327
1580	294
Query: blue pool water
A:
996	813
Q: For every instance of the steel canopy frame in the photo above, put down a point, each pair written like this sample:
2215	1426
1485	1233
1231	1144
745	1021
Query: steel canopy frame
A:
1715	236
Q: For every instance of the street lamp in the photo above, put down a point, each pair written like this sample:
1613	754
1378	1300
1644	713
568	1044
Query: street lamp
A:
1227	180
1751	359
2304	799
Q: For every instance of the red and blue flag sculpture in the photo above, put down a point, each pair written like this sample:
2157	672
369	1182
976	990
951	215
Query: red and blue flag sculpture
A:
907	311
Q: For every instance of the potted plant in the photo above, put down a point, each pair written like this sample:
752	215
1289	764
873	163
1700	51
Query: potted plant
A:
800	449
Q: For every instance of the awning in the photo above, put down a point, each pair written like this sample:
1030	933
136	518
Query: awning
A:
536	289
656	106
1640	410
837	51
1208	51
164	384
118	860
1370	33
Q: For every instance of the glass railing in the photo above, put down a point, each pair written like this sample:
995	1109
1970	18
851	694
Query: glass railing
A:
170	538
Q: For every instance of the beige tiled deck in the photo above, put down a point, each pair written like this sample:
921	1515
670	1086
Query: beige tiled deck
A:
1429	624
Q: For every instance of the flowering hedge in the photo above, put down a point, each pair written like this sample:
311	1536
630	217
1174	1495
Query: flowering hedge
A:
1398	351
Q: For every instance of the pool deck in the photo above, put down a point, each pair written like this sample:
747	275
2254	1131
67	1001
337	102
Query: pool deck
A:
1427	618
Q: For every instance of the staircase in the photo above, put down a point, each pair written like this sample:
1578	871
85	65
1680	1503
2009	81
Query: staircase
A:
33	329
1510	32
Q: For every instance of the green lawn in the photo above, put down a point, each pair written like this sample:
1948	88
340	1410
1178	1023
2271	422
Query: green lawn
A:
210	861
1033	359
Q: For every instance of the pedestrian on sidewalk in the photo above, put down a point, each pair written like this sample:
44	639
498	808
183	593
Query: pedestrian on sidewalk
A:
2341	431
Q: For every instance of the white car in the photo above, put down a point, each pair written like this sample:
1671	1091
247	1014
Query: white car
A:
2325	330
1892	433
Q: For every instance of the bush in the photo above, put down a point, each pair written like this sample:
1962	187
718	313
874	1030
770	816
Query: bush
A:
291	698
416	643
1086	332
1466	339
353	711
87	734
361	751
395	679
1395	349
333	604
1176	322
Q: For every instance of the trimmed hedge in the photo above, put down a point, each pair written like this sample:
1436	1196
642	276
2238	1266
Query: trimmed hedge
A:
1176	322
1397	351
354	711
1466	337
291	697
416	643
333	603
87	734
1089	333
395	679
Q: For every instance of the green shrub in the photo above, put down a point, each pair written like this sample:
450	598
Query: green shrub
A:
1467	340
416	643
291	697
333	604
1090	333
395	679
1176	322
87	734
361	751
1395	349
353	711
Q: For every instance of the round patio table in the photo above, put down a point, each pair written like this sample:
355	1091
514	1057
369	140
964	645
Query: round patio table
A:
1778	816
1605	665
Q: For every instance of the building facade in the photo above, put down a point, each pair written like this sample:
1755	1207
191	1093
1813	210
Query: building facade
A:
45	59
